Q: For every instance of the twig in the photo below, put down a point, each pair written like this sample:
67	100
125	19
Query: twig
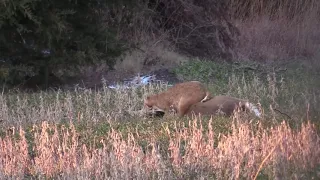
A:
265	159
282	113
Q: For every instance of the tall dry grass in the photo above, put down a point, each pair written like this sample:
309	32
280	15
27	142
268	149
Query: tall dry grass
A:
276	30
247	9
43	140
93	106
193	152
80	104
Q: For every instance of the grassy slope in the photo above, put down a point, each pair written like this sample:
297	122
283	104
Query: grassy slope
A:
95	114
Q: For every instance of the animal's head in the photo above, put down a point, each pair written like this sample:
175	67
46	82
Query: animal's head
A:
150	103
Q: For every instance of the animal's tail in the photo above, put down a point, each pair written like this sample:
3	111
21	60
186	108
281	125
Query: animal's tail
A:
253	108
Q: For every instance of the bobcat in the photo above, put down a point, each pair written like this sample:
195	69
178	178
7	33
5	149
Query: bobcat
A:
225	104
179	97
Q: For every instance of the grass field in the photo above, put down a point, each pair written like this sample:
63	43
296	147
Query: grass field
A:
83	133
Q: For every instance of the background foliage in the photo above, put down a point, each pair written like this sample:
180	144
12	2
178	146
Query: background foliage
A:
45	34
38	37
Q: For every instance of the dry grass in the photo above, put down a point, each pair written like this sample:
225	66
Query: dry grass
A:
83	133
192	152
266	39
276	30
246	9
95	105
152	55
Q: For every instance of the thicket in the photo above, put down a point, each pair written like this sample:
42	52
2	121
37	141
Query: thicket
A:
39	37
46	35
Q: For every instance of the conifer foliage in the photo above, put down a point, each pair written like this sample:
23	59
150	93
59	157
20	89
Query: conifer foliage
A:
44	34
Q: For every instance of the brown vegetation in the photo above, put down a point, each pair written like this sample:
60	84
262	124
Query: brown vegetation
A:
83	133
276	30
194	28
164	34
279	152
238	29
